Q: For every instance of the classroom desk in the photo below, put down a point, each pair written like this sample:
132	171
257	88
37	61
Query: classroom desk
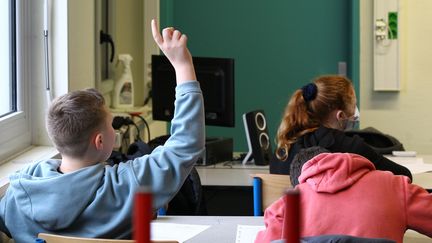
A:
423	179
227	186
224	229
231	173
236	174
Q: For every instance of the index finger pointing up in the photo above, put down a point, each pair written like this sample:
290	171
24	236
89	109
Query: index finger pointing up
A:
155	31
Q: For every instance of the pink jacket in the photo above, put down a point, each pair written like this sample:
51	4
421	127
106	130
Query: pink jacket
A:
342	193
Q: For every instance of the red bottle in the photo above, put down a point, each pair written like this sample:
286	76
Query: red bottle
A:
142	215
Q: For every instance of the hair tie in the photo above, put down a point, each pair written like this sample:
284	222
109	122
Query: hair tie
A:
309	91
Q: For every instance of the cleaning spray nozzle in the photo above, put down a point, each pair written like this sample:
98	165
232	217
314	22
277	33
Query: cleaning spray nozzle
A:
125	58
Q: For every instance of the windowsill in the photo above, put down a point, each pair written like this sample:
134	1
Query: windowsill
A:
33	154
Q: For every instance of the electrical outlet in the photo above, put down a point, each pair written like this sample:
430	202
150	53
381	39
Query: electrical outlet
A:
386	45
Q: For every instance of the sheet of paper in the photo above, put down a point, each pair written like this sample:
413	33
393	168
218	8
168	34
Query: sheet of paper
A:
247	233
412	236
415	164
178	232
419	168
406	160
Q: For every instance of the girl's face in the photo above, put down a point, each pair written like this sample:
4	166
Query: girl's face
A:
349	119
351	108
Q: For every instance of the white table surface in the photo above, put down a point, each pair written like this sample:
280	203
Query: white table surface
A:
224	228
423	179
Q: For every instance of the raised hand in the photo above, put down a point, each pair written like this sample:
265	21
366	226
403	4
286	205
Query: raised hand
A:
174	45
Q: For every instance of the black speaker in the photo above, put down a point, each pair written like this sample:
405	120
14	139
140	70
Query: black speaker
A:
257	138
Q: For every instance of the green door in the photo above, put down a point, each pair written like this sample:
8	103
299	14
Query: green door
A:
278	46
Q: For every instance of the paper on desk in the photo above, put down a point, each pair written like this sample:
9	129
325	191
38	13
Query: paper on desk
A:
178	232
412	236
415	164
247	233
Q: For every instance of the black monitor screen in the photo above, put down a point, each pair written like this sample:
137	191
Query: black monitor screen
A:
216	77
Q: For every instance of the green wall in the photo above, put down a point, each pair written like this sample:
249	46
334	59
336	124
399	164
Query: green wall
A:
278	46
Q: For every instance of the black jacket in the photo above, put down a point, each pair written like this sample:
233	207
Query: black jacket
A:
337	141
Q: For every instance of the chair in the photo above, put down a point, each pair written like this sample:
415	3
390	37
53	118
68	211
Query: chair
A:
189	200
51	238
267	188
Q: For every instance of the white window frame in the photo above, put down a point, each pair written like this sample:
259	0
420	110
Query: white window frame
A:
15	128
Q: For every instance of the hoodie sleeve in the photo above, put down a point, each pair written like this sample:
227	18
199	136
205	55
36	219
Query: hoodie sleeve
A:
166	168
2	216
418	208
273	220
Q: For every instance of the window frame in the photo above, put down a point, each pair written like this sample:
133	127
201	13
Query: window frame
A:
15	128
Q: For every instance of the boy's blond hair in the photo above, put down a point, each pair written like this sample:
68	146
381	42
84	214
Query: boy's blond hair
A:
72	120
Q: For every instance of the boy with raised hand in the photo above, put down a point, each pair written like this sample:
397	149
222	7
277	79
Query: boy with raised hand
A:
79	195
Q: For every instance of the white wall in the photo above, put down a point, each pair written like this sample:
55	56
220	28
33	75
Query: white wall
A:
81	44
405	114
129	38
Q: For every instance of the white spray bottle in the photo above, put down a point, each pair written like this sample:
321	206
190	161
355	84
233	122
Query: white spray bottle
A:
123	95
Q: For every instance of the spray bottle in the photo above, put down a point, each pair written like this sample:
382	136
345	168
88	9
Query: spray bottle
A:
123	88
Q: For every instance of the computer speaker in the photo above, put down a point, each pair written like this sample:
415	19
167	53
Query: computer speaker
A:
257	137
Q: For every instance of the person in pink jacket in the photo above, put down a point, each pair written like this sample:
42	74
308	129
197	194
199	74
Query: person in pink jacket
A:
343	194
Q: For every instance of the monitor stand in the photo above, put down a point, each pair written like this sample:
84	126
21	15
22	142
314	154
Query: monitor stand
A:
248	158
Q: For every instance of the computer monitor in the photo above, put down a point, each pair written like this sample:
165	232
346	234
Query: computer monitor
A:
216	78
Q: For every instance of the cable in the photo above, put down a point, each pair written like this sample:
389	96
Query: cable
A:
138	138
137	114
128	121
119	121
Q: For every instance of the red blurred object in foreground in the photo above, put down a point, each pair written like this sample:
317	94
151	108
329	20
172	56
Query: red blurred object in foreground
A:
142	215
291	223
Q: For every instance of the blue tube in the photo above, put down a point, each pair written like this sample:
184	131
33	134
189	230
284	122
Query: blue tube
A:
257	196
162	211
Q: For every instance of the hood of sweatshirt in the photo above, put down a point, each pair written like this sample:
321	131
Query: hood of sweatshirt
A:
333	172
41	188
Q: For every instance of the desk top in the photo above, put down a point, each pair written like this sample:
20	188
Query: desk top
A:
229	174
224	228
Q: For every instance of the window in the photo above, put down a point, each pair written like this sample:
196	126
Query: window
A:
14	114
7	62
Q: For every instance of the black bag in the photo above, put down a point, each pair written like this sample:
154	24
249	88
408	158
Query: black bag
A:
135	150
189	200
380	142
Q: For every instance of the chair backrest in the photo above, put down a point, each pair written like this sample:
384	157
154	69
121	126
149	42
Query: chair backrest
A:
267	188
189	200
51	238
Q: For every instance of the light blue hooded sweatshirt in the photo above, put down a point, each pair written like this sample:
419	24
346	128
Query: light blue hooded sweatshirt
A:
97	201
